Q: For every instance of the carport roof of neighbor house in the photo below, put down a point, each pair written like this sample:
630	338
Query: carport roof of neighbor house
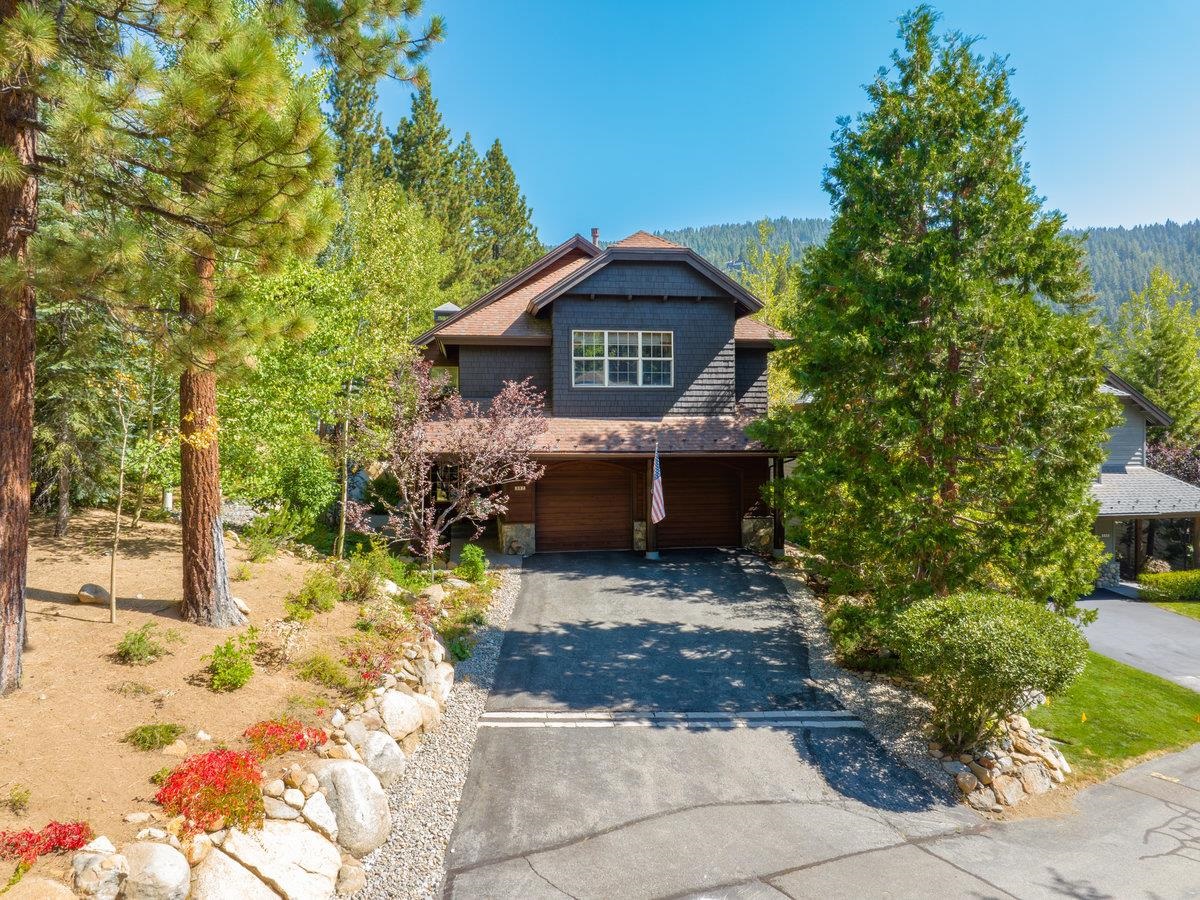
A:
1140	492
674	435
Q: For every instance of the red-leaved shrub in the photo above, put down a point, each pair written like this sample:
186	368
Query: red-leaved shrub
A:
57	837
213	790
275	737
371	664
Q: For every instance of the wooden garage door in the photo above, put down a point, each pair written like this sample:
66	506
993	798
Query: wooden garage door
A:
704	504
584	506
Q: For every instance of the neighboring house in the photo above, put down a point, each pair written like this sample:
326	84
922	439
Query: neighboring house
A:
1131	492
640	343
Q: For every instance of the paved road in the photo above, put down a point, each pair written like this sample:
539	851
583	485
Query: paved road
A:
642	803
1146	637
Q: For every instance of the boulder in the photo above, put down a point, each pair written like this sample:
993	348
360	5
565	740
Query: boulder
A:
177	749
294	797
197	848
92	593
289	857
457	583
431	712
358	803
435	594
443	682
1008	789
277	809
274	788
351	879
218	877
156	872
309	785
317	813
982	798
401	714
356	733
982	773
1034	779
138	818
435	649
967	782
338	719
242	606
98	870
383	756
31	887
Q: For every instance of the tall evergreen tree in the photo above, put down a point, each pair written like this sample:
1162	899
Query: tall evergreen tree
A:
954	421
1156	347
356	125
507	240
192	122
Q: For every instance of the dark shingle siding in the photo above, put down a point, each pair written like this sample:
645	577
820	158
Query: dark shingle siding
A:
482	371
648	279
752	378
704	356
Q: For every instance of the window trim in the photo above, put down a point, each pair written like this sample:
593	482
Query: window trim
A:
639	359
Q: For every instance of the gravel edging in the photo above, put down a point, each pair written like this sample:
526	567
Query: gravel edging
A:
424	802
894	715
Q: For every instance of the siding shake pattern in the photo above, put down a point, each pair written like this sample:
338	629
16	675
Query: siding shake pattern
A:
752	378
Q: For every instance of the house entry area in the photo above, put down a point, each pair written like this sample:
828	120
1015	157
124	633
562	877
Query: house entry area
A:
590	504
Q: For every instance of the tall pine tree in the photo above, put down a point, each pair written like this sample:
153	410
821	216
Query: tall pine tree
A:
507	240
954	421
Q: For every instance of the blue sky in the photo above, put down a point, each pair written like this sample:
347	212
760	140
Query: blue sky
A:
639	114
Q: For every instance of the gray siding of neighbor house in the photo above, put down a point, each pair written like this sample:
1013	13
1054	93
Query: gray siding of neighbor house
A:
1126	445
704	354
482	371
648	279
751	365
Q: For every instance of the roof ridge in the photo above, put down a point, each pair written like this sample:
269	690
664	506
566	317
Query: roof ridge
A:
643	238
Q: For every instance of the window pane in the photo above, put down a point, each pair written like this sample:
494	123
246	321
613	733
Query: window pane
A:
656	372
656	344
589	344
589	371
622	371
622	344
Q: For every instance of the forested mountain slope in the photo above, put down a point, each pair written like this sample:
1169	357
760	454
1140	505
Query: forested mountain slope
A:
1120	259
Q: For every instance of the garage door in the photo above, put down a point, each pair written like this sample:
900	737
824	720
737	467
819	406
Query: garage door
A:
584	506
704	504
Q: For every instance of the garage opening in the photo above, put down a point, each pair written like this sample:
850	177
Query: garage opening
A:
704	504
584	506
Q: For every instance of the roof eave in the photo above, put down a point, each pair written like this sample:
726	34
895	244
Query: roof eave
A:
1152	410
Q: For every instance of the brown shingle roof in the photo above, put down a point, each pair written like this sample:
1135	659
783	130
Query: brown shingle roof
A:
746	329
646	239
675	434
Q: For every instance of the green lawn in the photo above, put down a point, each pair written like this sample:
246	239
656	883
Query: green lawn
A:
1190	608
1129	713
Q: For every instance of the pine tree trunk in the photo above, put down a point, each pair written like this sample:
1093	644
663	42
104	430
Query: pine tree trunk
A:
18	211
206	597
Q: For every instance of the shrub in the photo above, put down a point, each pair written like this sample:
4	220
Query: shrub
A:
231	664
153	737
274	737
241	573
18	799
979	655
1167	586
215	789
385	617
859	632
321	668
145	645
319	593
472	563
161	775
1156	567
271	530
57	837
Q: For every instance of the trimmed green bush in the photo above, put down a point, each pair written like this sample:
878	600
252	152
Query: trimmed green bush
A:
1167	586
154	737
979	654
231	664
859	633
472	563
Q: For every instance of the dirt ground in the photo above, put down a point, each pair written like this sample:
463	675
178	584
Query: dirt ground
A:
60	735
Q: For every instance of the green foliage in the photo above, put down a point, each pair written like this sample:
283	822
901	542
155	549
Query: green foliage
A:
144	645
18	799
1170	586
153	737
161	775
271	530
859	632
1155	346
231	664
506	241
1113	716
954	420
241	573
320	593
472	563
326	670
979	654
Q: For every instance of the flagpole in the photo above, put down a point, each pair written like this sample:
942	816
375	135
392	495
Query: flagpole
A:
653	474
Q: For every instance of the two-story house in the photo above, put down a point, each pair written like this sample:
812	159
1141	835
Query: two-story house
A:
637	345
1130	491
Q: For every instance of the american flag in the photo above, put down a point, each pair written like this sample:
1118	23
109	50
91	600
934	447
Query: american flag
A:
658	509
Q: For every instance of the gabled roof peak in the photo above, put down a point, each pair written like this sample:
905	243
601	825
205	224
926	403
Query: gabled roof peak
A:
648	240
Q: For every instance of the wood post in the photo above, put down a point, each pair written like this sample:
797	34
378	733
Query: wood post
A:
777	507
1137	548
651	528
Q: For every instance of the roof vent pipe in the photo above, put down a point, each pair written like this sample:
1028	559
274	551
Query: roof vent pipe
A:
596	236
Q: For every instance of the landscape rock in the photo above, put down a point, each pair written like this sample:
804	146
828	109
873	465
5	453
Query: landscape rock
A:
98	870
981	772
274	788
356	732
92	593
434	593
197	848
138	818
954	767
31	887
156	872
431	712
152	834
401	714
277	809
318	814
338	719
294	797
1034	779
203	735
351	879
288	856
982	798
358	803
294	777
1008	789
219	877
176	749
309	785
443	682
242	606
457	583
967	782
391	588
383	756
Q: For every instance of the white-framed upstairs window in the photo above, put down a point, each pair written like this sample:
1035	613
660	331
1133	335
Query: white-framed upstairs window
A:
622	359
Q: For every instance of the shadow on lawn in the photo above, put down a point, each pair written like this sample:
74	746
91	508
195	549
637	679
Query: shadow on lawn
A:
697	632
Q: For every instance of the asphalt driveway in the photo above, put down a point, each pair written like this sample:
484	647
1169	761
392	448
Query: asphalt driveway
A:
1145	637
